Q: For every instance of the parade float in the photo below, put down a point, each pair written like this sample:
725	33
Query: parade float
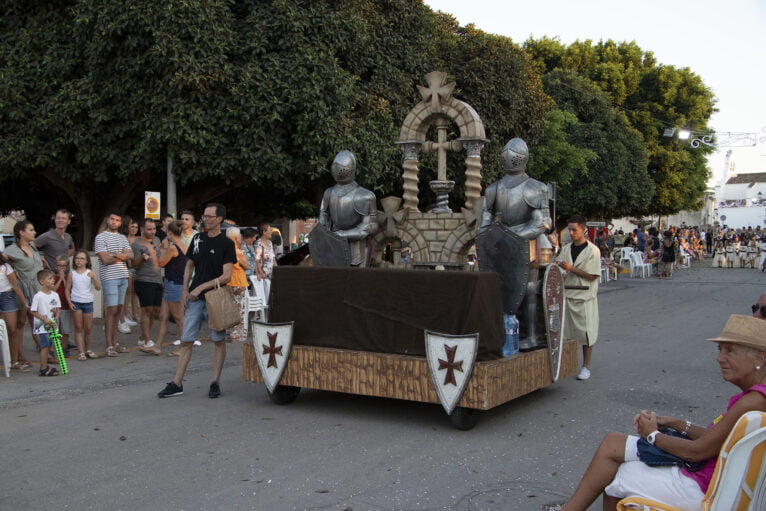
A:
412	332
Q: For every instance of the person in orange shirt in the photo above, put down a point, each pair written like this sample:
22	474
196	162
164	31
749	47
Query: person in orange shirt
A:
238	281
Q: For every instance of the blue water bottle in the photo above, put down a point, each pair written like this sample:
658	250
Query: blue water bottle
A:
511	326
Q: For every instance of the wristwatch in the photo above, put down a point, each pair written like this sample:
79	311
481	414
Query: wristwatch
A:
651	437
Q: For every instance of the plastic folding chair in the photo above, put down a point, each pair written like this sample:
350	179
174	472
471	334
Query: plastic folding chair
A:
625	255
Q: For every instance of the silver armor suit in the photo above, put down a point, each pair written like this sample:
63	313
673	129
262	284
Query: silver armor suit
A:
349	210
520	203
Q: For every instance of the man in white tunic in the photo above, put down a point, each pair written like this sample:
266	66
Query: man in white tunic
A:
582	262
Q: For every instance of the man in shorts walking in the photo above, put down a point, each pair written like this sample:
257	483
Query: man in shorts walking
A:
113	250
211	258
148	279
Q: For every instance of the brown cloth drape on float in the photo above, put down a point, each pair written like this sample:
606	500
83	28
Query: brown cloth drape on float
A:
386	311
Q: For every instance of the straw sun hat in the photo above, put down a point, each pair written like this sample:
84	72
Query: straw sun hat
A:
744	330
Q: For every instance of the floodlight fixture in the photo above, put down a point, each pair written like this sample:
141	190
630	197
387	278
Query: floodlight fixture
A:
684	134
669	132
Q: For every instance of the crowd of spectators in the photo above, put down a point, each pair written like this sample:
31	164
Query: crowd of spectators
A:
677	246
152	253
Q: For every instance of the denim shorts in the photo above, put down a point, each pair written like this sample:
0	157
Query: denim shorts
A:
45	340
114	291
8	301
196	313
172	291
85	308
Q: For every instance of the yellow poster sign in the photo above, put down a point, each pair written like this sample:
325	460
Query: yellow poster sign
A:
152	205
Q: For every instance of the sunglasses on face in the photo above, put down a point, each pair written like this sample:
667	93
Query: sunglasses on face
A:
755	307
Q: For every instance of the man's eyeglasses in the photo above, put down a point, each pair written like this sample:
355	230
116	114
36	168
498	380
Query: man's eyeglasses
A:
755	308
207	217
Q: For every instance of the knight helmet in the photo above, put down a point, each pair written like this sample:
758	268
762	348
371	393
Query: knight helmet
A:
515	155
344	167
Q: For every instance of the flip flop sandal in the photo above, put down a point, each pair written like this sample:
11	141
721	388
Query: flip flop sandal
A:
110	352
49	371
121	349
149	351
90	354
173	354
82	357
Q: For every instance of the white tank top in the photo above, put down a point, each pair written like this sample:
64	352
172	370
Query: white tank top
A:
5	284
81	287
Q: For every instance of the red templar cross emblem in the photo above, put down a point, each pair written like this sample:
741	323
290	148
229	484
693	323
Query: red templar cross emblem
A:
450	365
272	350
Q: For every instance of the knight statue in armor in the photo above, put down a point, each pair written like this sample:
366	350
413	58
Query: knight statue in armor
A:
520	203
349	210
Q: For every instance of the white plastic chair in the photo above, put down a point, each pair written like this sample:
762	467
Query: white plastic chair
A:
625	255
638	266
684	259
255	302
604	275
5	342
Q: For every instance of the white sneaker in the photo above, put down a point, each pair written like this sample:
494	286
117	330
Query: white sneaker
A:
149	344
129	321
197	343
140	343
584	374
123	328
177	342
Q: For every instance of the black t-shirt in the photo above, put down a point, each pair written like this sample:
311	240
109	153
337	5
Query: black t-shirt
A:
209	255
576	249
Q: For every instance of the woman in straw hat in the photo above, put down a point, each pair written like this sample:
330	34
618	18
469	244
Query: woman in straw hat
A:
619	469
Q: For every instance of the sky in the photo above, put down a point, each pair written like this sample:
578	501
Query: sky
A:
717	40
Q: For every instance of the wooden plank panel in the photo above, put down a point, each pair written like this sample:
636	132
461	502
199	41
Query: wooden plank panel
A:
493	382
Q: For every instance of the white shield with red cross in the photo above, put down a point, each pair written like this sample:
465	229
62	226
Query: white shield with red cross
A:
272	343
450	361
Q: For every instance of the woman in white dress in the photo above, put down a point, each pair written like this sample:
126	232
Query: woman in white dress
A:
719	255
731	255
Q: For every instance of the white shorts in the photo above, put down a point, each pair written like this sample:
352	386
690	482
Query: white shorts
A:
663	484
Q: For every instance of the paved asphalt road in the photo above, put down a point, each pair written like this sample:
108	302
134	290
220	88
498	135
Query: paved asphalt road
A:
99	438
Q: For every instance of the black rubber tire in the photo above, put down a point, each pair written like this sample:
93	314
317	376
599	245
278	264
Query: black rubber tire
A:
284	394
464	418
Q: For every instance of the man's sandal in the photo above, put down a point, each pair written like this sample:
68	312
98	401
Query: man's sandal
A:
49	371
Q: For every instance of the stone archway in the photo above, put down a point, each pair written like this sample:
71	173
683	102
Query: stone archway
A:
438	237
438	108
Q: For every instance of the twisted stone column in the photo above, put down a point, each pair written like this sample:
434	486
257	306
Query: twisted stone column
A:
473	149
410	175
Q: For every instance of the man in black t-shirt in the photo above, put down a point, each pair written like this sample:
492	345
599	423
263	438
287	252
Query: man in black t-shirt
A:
211	257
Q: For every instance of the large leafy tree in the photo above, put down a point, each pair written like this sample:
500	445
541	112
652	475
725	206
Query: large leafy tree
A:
652	97
247	96
616	181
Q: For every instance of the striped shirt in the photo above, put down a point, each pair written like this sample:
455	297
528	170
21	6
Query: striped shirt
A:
112	243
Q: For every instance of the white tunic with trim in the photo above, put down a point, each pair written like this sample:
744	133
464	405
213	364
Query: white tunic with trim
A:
582	304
